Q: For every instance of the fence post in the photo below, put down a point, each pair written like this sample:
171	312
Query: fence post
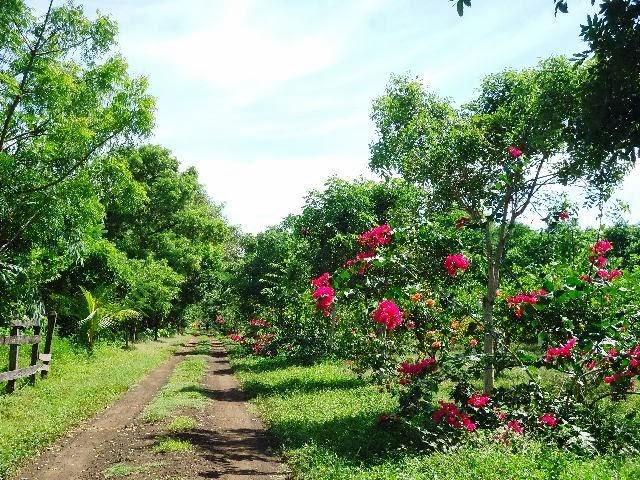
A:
13	359
35	349
52	317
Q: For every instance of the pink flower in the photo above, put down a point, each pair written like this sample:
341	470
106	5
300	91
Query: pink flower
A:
591	365
518	301
324	297
563	351
321	281
548	419
601	247
236	337
478	401
453	263
515	152
515	426
473	342
388	314
377	236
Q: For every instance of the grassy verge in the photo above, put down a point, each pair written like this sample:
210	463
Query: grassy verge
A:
183	390
78	387
326	421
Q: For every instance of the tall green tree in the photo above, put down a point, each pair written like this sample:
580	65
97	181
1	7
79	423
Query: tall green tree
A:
65	100
465	158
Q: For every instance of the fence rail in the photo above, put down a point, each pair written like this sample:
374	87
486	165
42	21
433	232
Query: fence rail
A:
40	362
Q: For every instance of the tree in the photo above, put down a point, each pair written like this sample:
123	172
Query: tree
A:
472	157
65	100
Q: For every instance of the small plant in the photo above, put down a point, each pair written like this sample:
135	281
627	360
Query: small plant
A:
182	423
170	445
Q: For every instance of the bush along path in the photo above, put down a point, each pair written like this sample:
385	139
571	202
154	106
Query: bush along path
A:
195	426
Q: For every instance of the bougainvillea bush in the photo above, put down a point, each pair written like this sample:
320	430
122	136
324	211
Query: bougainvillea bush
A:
574	354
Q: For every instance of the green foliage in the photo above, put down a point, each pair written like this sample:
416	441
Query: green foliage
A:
326	420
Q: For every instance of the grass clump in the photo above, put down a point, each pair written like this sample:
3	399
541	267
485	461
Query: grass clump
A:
77	387
326	420
171	445
183	389
124	470
182	424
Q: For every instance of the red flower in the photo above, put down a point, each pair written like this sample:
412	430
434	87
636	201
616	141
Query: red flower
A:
428	364
515	152
609	276
548	419
256	322
388	314
478	401
563	216
601	247
377	236
563	351
236	337
591	365
598	261
453	263
321	281
453	416
324	297
515	426
518	301
609	379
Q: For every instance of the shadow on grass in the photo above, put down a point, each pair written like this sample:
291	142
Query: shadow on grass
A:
253	388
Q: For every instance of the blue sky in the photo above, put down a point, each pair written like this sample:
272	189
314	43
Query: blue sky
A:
269	98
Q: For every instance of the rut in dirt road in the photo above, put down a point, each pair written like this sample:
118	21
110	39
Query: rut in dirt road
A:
228	441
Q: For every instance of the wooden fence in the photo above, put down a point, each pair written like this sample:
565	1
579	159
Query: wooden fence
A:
40	362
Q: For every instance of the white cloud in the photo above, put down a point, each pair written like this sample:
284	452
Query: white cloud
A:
262	192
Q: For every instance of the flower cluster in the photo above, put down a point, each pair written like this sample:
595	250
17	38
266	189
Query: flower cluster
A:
598	259
371	240
451	414
631	359
377	236
517	302
548	419
256	322
236	337
453	263
261	342
324	294
418	368
563	351
515	152
461	222
478	401
388	314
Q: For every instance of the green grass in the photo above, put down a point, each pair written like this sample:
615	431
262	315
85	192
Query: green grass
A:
171	445
325	420
182	424
120	470
78	387
183	390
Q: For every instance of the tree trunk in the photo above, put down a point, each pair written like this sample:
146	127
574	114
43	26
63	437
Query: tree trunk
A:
493	266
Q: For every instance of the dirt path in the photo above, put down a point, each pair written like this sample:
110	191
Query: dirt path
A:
228	442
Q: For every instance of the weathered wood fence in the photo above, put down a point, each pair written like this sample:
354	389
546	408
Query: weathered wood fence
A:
40	361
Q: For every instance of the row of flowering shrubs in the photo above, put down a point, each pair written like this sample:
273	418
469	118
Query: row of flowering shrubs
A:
587	352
